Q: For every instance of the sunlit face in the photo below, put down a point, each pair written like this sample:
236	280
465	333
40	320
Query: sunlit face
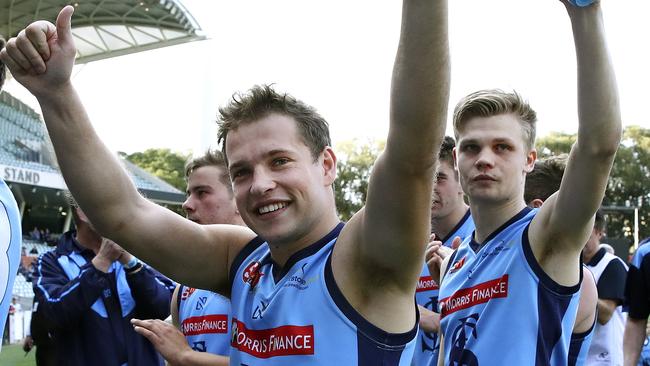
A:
281	192
208	200
492	159
447	192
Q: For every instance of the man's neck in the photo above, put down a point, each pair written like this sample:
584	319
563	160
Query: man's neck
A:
488	216
282	251
442	226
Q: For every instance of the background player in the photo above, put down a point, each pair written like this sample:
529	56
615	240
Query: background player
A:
450	219
209	201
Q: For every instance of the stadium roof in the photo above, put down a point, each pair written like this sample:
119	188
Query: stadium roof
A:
26	158
108	28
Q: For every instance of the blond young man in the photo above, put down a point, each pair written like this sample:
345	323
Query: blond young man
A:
509	295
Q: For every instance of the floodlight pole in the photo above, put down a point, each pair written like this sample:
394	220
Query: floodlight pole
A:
636	228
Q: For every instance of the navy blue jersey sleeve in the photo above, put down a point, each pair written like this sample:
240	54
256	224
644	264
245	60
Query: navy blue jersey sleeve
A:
62	300
152	293
637	294
611	284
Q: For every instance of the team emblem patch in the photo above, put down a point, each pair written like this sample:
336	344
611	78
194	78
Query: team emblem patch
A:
252	274
458	265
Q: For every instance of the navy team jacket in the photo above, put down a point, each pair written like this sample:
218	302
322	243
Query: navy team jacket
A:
88	311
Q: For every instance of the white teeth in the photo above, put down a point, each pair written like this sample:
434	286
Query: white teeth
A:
272	207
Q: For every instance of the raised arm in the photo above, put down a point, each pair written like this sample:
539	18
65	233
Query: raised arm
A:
566	218
384	243
41	58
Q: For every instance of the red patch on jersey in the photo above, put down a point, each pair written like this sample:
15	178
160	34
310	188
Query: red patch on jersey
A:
187	291
252	274
426	283
479	294
217	323
458	265
286	340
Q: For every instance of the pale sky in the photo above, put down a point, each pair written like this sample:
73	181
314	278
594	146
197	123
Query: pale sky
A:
337	55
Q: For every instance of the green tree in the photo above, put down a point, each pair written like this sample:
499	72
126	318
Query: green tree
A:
356	159
163	163
629	183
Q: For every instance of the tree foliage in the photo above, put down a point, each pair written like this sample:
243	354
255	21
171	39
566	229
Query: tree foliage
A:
356	159
163	163
629	183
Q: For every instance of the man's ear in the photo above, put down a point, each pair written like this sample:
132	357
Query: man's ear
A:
531	157
329	165
536	203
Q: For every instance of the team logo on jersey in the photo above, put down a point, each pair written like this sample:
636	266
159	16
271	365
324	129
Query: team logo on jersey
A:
203	300
426	283
252	274
479	294
187	291
459	355
457	265
287	340
207	324
259	310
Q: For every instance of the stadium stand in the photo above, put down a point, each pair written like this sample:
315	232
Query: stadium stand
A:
27	165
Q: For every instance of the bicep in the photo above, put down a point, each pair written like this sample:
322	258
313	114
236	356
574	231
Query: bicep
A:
172	244
394	224
565	220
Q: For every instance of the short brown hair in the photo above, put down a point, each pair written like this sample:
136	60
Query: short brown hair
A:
211	158
494	102
545	178
262	100
446	153
2	65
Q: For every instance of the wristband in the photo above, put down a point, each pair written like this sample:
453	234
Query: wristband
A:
581	3
135	269
131	263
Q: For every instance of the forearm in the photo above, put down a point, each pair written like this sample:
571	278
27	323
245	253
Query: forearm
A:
86	163
194	358
633	340
420	83
598	103
605	310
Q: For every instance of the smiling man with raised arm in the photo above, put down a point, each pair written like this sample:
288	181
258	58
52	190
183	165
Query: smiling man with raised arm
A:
509	294
314	290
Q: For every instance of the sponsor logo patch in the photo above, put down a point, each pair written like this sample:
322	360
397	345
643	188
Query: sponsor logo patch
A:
205	325
187	291
287	340
479	294
426	283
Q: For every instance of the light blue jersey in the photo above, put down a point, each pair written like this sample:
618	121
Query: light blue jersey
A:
204	317
296	315
426	295
498	307
10	240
